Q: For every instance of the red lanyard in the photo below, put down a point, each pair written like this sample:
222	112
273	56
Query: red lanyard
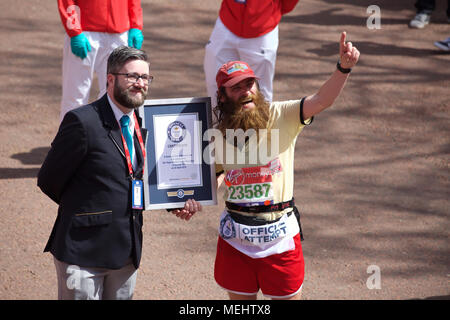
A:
141	144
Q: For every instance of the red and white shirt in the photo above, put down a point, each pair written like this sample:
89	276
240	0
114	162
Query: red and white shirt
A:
109	16
253	18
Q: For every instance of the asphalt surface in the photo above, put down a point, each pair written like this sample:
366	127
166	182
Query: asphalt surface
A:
371	173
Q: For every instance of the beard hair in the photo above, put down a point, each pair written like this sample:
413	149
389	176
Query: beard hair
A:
234	116
122	96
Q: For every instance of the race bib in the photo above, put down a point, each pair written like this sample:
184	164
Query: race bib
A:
252	186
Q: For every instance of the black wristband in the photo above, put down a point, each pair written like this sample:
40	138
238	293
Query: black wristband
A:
302	120
343	70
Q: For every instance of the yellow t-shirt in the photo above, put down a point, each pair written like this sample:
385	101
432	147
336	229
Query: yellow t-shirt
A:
260	171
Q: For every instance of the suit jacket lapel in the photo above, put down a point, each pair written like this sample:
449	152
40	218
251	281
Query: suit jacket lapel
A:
110	123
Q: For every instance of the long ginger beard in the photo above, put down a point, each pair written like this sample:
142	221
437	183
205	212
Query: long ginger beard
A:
232	115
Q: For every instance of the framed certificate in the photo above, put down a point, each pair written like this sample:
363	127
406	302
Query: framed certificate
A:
175	169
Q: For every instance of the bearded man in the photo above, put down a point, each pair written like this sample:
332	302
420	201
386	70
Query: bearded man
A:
259	244
94	172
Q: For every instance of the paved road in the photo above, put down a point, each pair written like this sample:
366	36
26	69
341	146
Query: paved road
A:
372	173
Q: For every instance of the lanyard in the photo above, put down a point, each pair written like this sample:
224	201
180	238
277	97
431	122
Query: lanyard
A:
127	151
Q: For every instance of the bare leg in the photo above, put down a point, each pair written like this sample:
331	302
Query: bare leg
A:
298	296
235	296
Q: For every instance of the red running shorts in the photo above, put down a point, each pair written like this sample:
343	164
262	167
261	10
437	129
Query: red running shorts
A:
278	276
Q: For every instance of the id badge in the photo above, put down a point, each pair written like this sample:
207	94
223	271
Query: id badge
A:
137	194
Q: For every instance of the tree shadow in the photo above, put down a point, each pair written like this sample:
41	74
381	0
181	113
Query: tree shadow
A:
18	173
34	157
336	17
376	49
438	298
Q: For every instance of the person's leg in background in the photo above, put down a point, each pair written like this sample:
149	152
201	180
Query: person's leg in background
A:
261	54
220	49
77	75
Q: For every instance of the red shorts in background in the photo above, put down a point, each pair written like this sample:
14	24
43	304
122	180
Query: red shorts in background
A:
278	276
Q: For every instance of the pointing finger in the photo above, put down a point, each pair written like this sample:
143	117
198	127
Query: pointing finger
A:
342	42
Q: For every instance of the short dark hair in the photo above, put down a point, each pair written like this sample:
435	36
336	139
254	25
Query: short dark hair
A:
122	55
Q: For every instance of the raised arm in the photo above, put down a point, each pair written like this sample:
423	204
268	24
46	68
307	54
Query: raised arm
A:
331	89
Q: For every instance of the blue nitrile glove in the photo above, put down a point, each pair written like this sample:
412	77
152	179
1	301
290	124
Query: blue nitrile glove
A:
135	38
80	45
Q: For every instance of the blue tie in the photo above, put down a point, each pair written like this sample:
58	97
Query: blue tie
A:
124	121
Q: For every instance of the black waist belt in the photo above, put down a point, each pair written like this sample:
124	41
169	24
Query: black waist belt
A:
252	221
259	209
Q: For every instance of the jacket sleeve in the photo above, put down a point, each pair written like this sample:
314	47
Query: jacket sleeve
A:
67	151
70	17
288	5
135	14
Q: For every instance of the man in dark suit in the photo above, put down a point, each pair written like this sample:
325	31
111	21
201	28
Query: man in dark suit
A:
94	173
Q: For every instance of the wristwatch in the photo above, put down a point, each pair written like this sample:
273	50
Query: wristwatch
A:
343	70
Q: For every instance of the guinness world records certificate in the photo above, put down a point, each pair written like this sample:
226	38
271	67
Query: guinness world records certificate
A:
179	151
175	169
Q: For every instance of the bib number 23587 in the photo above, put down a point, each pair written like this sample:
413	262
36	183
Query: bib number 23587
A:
250	192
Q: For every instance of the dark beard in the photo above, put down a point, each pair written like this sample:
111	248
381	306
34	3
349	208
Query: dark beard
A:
234	116
122	97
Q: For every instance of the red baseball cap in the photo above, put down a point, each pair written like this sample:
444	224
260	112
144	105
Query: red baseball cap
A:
233	72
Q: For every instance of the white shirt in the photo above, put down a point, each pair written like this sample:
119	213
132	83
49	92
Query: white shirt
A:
119	114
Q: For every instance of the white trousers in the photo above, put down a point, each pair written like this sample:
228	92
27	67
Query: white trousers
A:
80	283
224	46
77	73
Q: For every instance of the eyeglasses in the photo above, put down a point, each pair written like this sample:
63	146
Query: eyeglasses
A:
134	77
